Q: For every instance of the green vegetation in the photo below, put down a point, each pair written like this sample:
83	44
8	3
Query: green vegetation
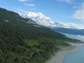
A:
23	42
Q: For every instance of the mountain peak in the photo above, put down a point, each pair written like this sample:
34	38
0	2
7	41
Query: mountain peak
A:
41	19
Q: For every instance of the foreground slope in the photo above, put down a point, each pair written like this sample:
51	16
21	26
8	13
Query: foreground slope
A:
23	41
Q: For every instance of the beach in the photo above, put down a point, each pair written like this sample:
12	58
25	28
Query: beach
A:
59	56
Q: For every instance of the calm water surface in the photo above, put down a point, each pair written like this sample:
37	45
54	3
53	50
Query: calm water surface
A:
75	57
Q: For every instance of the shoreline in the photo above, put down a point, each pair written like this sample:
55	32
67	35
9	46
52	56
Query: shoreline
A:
59	56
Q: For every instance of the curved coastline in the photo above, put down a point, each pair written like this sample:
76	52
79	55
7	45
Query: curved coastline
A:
59	56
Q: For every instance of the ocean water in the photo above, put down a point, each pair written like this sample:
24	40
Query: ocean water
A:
75	57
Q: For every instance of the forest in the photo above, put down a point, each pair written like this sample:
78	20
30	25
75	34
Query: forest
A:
24	42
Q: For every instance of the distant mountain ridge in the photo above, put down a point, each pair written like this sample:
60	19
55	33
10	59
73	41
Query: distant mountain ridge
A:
70	31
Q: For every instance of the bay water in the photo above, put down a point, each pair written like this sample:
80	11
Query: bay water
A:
77	56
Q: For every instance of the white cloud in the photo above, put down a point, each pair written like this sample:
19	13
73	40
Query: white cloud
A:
31	5
76	7
79	14
82	5
66	1
72	25
23	0
41	19
21	10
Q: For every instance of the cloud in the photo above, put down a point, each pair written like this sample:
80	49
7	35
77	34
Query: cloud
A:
41	19
77	7
21	10
23	0
72	25
30	5
79	14
66	1
80	37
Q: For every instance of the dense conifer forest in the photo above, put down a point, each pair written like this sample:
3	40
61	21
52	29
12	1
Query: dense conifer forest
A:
24	41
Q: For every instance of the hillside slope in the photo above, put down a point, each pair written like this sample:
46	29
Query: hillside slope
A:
24	41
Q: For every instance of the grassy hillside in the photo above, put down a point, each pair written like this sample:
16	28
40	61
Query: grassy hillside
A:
23	41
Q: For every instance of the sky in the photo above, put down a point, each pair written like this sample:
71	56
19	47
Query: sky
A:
67	11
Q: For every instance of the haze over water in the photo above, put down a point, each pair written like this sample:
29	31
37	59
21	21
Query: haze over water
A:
75	57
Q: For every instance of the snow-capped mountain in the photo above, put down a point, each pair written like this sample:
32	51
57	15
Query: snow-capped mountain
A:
41	19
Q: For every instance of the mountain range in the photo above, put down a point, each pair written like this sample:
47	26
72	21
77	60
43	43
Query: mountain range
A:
41	19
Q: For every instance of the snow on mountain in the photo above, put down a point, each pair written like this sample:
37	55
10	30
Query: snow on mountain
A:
41	19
